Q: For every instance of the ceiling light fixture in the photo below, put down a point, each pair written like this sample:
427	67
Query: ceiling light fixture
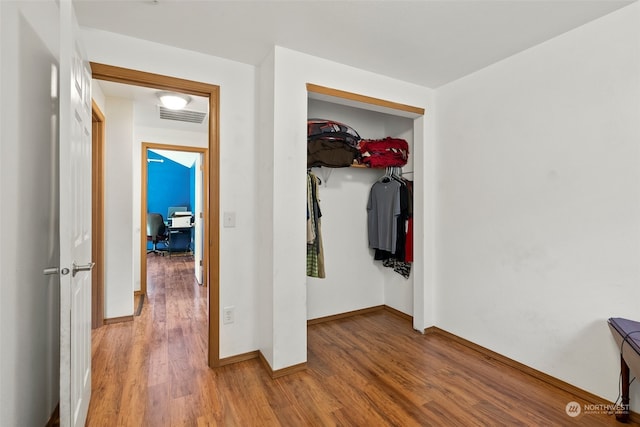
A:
173	101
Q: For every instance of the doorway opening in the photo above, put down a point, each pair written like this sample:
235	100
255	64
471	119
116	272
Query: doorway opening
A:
174	182
211	197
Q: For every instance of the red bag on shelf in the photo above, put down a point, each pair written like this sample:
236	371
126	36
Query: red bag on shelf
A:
381	153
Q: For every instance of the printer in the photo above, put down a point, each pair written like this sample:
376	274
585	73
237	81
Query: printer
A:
181	219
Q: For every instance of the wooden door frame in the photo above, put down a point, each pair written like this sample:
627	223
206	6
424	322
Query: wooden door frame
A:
97	215
144	196
211	200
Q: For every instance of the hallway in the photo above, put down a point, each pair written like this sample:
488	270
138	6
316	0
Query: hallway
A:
143	371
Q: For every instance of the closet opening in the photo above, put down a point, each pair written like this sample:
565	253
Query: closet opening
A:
354	280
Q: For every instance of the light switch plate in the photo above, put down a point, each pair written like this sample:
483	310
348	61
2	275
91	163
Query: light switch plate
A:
229	219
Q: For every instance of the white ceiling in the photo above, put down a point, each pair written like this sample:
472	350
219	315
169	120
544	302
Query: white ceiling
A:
427	42
147	111
185	158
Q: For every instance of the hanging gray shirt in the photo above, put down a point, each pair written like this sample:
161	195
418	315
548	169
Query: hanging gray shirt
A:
383	209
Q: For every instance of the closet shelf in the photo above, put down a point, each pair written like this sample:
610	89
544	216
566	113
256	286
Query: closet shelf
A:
355	165
364	103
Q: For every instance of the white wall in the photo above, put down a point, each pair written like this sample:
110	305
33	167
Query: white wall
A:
29	301
265	81
119	248
238	277
292	71
98	96
539	204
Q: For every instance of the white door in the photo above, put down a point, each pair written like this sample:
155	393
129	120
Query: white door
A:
198	229
75	224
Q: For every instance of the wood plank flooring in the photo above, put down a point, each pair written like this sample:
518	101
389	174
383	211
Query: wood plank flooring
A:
365	370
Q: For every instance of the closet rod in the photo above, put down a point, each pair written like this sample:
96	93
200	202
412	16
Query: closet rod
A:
391	168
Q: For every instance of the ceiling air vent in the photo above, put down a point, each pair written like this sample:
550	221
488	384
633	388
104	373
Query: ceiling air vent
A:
182	115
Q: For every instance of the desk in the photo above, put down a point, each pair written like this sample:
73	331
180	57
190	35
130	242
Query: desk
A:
175	234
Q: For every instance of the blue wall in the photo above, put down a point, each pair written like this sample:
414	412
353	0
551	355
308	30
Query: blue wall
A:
169	184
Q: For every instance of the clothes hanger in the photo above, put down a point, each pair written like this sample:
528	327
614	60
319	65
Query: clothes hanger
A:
386	177
396	173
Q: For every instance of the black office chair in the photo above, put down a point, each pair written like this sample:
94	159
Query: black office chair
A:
156	232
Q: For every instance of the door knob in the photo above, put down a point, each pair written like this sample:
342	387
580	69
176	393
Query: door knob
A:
86	267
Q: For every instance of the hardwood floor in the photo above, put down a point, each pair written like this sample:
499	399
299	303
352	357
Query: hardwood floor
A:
365	370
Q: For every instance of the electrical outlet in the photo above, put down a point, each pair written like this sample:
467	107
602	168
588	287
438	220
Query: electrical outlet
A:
228	315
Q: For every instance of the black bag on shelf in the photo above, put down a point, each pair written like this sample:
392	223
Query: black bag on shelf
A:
336	130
